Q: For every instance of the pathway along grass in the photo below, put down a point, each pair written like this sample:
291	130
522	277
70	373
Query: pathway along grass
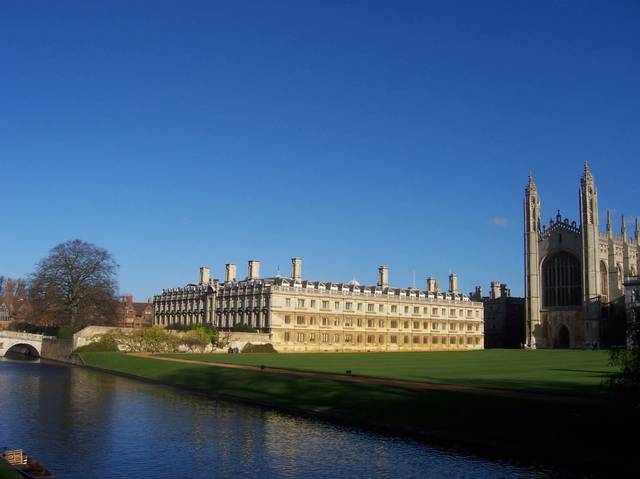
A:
577	434
569	372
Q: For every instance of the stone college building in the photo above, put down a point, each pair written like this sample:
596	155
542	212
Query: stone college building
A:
301	315
574	273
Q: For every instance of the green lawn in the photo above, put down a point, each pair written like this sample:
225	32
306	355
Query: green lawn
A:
6	472
575	432
551	371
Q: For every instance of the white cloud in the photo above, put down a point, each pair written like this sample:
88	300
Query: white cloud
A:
498	221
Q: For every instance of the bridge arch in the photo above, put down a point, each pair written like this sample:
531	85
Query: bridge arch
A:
15	341
24	349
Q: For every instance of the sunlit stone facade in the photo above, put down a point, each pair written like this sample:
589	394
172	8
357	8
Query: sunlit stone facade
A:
302	315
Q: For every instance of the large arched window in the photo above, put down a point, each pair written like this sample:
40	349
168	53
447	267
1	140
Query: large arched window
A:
562	284
604	280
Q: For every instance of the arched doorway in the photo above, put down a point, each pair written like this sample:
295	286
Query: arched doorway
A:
21	351
563	340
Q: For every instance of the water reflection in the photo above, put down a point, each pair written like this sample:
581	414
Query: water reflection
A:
87	424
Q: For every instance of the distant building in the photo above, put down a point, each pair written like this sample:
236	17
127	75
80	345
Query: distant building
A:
134	315
302	315
14	303
574	274
503	317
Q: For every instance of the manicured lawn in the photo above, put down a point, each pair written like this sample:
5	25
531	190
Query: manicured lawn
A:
6	472
580	432
550	371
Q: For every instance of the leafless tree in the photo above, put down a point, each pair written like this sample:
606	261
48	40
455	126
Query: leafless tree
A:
75	284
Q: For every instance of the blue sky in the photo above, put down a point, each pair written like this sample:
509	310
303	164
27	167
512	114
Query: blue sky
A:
351	134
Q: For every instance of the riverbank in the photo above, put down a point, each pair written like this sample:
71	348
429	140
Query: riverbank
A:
583	436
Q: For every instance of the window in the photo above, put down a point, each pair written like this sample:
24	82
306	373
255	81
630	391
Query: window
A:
312	320
381	339
359	306
434	340
461	313
369	338
300	337
301	303
394	339
434	311
324	321
425	310
325	305
348	338
425	325
348	322
287	319
561	282
416	310
300	320
452	326
434	325
443	311
394	308
359	338
324	337
406	310
469	313
452	313
381	308
452	340
425	339
336	338
416	340
313	303
312	337
369	323
469	327
336	305
477	313
394	323
370	308
287	336
381	323
416	325
406	340
406	325
287	302
336	322
348	306
359	322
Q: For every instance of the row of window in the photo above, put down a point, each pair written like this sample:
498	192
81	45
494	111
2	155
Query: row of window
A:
371	308
379	323
377	339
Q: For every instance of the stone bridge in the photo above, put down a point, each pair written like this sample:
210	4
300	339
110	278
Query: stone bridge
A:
25	343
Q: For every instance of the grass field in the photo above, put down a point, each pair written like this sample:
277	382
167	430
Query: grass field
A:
579	433
552	371
6	472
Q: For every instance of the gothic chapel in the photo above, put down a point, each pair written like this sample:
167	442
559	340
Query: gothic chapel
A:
574	273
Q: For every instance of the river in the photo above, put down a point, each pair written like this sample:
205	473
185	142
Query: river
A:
85	424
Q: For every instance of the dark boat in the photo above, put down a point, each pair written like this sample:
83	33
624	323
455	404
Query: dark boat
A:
24	465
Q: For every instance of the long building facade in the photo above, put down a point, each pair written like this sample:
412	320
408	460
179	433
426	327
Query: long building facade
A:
302	315
574	273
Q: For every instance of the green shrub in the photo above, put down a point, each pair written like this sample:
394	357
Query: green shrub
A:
105	344
258	348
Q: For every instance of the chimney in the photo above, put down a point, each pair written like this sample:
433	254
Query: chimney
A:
204	275
504	290
383	277
478	294
453	283
230	273
296	269
432	285
495	289
254	270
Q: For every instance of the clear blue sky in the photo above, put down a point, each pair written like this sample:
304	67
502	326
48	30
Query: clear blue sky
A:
352	134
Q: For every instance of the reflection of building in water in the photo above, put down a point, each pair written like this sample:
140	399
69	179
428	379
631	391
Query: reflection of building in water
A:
304	315
574	273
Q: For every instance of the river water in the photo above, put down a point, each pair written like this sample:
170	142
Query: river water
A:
86	424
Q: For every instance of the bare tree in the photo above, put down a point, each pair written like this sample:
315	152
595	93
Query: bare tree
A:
75	284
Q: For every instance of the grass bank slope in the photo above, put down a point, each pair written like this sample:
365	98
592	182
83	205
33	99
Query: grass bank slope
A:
569	372
585	434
